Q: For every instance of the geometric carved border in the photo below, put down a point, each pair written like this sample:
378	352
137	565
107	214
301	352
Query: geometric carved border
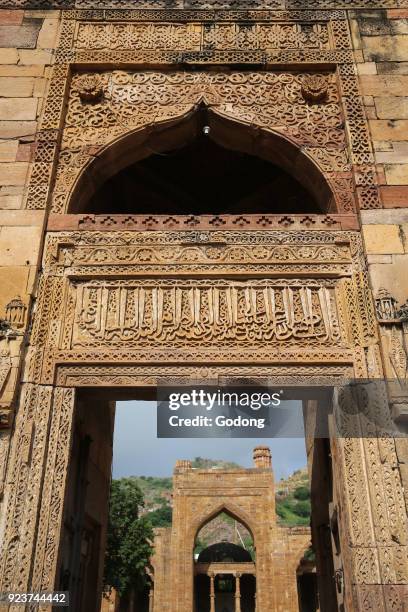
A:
338	55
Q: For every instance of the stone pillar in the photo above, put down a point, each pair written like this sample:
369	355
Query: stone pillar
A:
35	486
237	592
151	599
212	593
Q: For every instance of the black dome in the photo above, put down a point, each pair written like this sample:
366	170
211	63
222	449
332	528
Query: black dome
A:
224	552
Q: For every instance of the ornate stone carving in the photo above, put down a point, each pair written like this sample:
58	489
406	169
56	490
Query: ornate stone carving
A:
205	313
402	312
5	367
386	305
89	88
315	88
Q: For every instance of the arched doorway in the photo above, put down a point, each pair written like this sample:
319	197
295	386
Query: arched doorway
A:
225	571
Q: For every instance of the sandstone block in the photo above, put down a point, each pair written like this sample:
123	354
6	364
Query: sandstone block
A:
376	85
8	150
384	217
367	68
10	202
20	37
397	14
392	108
19	246
35	56
18	109
394	275
42	14
392	68
14	70
17	129
11	17
8	56
16	218
13	173
391	157
379	259
16	87
48	34
40	87
385	48
383	239
396	174
25	152
13	282
382	129
394	196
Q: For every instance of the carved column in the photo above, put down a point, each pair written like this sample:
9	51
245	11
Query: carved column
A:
237	592
35	488
212	593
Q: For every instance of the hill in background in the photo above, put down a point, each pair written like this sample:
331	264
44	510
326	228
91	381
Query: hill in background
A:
292	502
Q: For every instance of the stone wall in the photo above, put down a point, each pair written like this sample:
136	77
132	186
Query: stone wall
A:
27	46
380	40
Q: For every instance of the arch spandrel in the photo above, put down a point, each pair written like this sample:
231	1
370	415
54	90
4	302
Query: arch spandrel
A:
306	136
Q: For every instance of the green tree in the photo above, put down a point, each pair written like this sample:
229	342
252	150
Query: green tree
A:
302	493
128	547
161	517
303	508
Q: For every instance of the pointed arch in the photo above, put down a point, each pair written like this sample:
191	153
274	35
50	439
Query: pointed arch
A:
181	130
231	510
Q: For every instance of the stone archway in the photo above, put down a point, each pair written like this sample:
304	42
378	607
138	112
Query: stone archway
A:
84	268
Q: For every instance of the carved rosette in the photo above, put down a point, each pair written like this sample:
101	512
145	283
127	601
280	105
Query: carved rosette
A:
89	88
315	88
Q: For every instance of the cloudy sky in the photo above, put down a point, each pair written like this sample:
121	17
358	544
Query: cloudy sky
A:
137	451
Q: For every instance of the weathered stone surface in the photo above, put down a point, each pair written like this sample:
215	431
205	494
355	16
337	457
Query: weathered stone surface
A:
10	202
13	173
8	150
21	109
389	130
385	48
35	56
377	85
382	239
393	276
397	174
8	56
11	17
19	246
16	87
13	281
392	68
17	129
394	196
14	70
384	217
21	37
48	34
391	108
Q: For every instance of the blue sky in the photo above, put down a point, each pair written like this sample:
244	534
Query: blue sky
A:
137	451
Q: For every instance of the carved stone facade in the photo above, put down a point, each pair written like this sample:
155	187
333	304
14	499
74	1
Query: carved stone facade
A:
125	301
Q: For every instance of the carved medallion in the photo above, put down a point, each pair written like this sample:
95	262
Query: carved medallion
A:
315	88
89	87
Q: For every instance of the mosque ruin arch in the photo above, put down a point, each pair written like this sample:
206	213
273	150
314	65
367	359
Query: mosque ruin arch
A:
85	337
